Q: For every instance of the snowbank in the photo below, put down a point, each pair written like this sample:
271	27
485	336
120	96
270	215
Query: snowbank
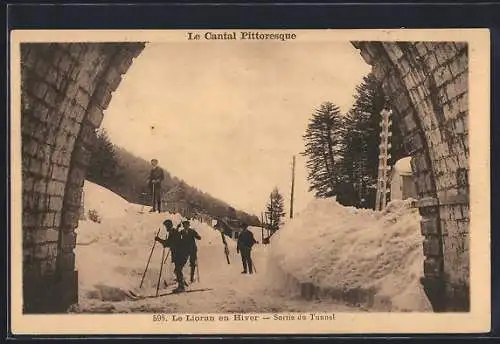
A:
360	256
107	204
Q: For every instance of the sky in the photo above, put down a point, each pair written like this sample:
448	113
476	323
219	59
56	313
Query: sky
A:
227	117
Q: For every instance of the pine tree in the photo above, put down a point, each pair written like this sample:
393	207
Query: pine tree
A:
103	168
275	210
323	145
360	155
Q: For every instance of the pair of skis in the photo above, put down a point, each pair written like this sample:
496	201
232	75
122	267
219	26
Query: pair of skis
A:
226	249
162	263
136	297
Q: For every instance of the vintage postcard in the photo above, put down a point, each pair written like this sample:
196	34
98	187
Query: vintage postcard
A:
250	181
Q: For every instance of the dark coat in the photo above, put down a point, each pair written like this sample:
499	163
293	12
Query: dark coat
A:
246	240
189	238
156	174
181	243
174	242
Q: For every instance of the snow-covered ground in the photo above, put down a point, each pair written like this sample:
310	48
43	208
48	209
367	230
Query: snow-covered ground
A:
358	260
111	257
107	203
373	259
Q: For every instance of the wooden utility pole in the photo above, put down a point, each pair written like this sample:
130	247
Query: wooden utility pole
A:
293	187
271	211
262	226
266	220
383	157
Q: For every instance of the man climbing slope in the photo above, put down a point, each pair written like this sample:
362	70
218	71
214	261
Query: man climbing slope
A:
175	242
246	241
182	247
190	236
155	179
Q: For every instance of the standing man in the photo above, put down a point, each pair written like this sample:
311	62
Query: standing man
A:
246	241
173	240
189	236
155	179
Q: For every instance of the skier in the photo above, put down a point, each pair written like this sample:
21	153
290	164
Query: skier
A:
189	236
246	241
155	179
178	252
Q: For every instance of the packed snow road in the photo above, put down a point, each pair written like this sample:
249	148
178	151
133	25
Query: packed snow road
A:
112	255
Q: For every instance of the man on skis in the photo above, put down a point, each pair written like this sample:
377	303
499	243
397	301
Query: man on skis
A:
246	241
182	247
190	236
178	252
155	179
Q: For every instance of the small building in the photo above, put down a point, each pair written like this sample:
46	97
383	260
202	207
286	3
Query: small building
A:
401	180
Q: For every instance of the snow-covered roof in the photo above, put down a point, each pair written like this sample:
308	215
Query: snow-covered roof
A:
403	166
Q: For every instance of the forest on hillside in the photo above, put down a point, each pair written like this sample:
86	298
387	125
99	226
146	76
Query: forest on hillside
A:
125	174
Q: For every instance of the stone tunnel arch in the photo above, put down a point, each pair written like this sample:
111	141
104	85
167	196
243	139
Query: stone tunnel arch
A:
66	88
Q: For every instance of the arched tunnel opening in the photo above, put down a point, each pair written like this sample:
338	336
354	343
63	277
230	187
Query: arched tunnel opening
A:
66	87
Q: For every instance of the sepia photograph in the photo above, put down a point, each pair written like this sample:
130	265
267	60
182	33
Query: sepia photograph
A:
250	181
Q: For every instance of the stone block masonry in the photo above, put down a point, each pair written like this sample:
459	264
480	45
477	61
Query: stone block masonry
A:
65	88
428	87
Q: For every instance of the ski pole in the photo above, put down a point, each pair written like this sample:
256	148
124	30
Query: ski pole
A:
197	271
149	259
251	261
161	269
153	196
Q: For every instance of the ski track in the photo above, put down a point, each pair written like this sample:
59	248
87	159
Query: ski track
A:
120	247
